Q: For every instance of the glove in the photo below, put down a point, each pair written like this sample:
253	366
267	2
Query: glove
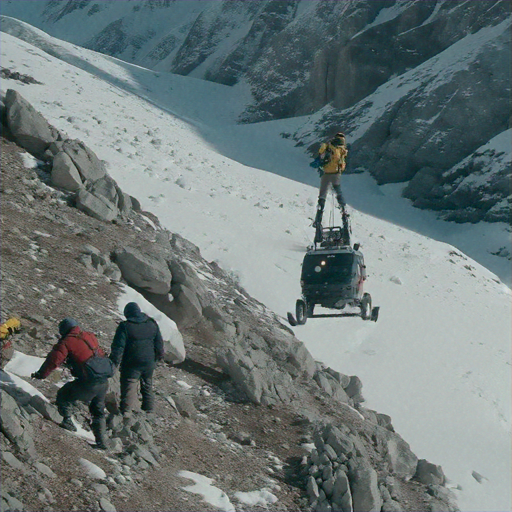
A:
36	375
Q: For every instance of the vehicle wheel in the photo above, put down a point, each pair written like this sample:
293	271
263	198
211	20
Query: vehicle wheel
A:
366	306
310	309
301	312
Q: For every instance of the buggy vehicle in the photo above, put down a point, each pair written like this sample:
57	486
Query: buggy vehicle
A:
333	274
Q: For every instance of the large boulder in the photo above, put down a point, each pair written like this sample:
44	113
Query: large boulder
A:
144	272
365	489
14	426
429	474
185	309
27	125
64	173
331	386
401	460
91	169
96	207
257	375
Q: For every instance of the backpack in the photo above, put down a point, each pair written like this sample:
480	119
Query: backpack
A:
97	367
333	159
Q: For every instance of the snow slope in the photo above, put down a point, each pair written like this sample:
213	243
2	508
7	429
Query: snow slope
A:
438	359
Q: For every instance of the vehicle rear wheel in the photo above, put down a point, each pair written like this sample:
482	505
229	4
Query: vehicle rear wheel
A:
366	306
301	312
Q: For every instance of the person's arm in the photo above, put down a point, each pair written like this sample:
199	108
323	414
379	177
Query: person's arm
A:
53	360
118	344
159	344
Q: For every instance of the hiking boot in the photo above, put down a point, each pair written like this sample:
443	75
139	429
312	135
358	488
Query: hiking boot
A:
99	429
68	424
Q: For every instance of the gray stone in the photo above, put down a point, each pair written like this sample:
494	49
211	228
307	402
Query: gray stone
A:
64	173
312	489
391	506
401	460
112	272
100	489
140	427
10	503
15	428
105	187
385	421
106	506
14	462
185	309
331	386
46	409
89	166
44	469
116	445
142	453
343	379
90	249
242	370
96	207
346	502
29	127
341	485
300	357
428	473
365	491
328	486
354	389
220	321
330	452
149	273
340	442
327	472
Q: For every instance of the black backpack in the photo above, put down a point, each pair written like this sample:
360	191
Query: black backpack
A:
97	367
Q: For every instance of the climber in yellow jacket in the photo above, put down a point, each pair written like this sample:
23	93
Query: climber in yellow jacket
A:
332	154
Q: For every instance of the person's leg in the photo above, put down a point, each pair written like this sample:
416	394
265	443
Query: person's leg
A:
324	187
129	388
97	410
146	389
336	185
319	212
67	396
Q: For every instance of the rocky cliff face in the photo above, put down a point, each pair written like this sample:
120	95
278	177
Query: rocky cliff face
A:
418	86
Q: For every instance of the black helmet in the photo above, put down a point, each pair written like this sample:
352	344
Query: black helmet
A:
66	325
339	139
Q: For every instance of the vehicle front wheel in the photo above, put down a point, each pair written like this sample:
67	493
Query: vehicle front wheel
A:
366	306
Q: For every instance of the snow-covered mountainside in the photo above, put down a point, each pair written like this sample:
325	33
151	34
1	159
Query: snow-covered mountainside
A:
438	359
446	62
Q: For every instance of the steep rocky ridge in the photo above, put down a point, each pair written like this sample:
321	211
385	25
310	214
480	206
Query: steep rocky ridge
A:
331	58
255	394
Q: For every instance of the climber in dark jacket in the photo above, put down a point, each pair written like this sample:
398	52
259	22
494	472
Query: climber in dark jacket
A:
136	348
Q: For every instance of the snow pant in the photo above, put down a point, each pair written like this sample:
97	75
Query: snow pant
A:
130	379
91	393
334	180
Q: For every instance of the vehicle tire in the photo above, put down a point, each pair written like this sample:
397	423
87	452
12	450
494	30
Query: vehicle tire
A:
301	312
366	306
